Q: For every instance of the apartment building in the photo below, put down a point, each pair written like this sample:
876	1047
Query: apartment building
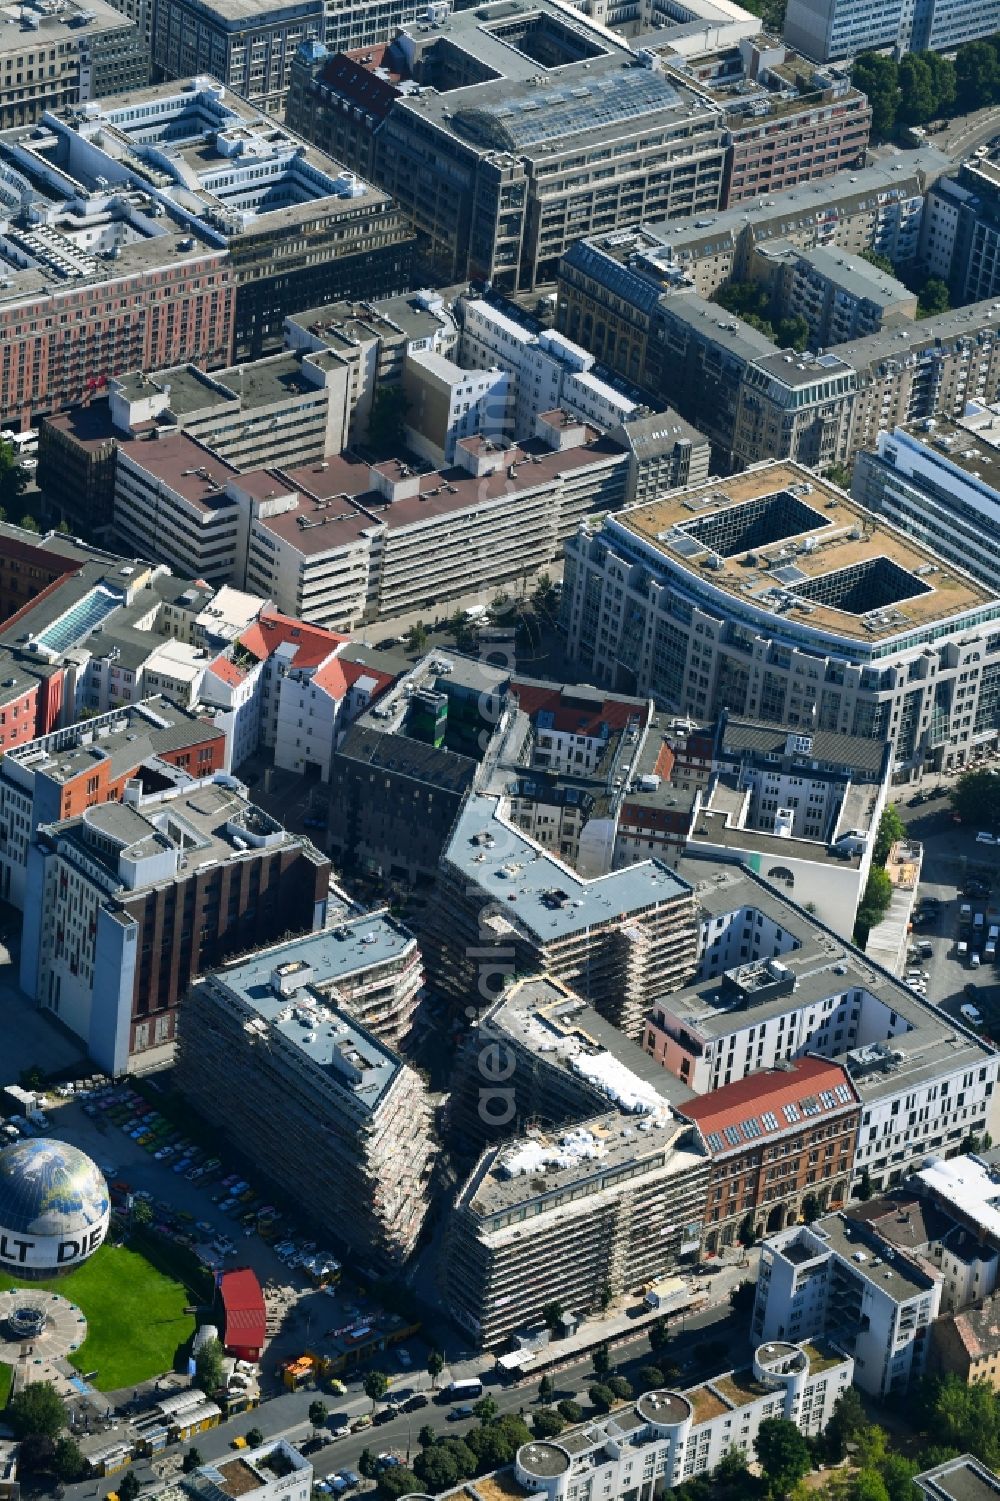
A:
58	775
248	50
207	158
284	686
713	612
126	902
931	479
840	297
838	1279
342	541
828	29
617	939
563	1215
669	1437
967	1345
446	404
664	453
774	985
776	1139
57	57
274	1471
805	808
509	107
610	286
315	1073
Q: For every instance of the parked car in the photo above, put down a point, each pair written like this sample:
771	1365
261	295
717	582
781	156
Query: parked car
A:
971	1014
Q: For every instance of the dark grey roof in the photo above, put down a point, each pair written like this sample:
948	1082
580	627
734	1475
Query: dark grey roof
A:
410	758
854	752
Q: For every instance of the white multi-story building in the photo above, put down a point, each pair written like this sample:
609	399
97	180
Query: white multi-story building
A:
840	1280
774	984
827	29
670	1436
546	370
171	503
446	403
271	1472
938	480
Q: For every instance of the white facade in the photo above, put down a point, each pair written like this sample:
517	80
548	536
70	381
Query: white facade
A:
547	370
660	1442
153	518
838	1279
447	403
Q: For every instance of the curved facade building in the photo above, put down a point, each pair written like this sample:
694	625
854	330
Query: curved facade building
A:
54	1208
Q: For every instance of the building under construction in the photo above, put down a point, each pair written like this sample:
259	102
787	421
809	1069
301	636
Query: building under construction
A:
572	1217
325	1109
506	906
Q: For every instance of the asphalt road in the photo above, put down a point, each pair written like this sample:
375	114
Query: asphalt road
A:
287	1416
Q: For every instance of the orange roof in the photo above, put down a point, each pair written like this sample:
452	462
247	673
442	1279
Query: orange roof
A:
313	642
771	1102
226	671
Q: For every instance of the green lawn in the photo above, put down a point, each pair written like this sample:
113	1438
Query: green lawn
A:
136	1322
6	1377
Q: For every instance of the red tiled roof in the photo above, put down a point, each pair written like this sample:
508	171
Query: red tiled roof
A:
226	671
793	1096
357	83
573	718
313	643
664	762
246	1316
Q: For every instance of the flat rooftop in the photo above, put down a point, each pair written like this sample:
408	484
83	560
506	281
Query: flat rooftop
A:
971	445
783	541
125	739
45	28
185	466
901	1278
963	1479
856	276
538	892
305	1017
718	823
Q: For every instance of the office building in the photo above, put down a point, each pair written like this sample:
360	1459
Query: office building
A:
171	503
932	479
732	596
611	286
775	985
669	1437
218	167
273	1471
58	775
776	1139
310	1073
338	98
247	48
506	108
564	1215
664	453
960	234
446	403
342	541
57	57
839	1279
126	902
505	904
962	1479
828	29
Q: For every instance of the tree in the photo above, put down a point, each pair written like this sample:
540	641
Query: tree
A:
37	1409
601	1397
546	1422
545	598
495	1444
897	1472
192	1460
875	899
485	1409
868	1485
883	263
436	1469
141	1213
68	1465
552	1317
416	637
649	1377
621	1388
810	1208
366	1464
747	1232
792	333
865	1189
128	1487
783	1455
847	1418
878	77
916	90
397	1480
975	797
12	477
463	1454
317	1414
742	1296
435	1365
658	1334
208	1367
387	418
933	298
891	828
570	1410
35	1455
943	82
29	524
601	1361
375	1384
255	1436
546	1389
976	76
